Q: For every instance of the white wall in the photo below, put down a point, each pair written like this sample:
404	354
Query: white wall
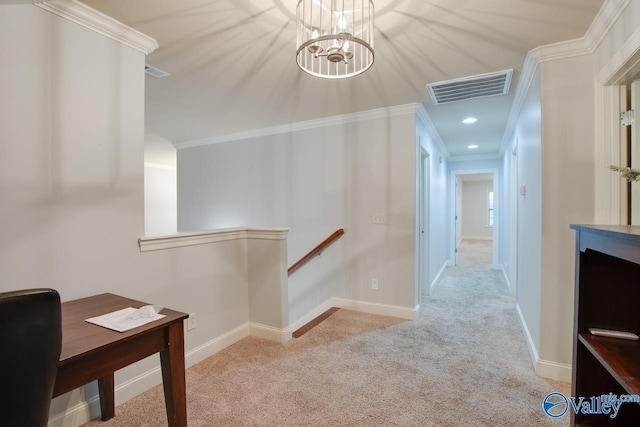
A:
314	181
528	131
438	203
568	196
475	210
508	226
160	199
71	174
160	186
557	157
556	166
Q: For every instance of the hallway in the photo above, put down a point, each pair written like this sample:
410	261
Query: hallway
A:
477	253
462	362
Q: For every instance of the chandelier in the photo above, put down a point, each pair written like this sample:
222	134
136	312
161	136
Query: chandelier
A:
335	37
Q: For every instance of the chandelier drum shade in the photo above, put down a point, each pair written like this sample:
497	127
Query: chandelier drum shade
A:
335	37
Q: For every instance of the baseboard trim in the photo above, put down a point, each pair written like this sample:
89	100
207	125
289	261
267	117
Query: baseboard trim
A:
504	274
533	353
375	308
436	281
365	307
77	415
486	238
543	368
85	411
311	315
506	279
553	370
512	287
270	333
210	348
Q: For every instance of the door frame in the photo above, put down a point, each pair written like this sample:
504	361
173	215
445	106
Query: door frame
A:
513	188
497	200
610	190
424	224
457	218
631	131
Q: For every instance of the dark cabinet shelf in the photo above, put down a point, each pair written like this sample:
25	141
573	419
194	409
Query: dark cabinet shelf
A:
621	358
607	293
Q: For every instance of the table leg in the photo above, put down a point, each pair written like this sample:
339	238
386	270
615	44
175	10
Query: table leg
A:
173	376
106	386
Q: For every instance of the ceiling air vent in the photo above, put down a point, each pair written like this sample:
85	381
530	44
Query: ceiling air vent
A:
480	86
154	72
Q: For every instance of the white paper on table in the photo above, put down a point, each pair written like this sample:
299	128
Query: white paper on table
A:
127	318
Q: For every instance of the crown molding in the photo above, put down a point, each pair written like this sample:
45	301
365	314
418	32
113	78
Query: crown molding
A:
624	64
378	113
100	23
524	83
604	20
602	23
561	50
424	118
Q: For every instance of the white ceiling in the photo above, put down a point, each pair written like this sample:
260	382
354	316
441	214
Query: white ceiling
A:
232	62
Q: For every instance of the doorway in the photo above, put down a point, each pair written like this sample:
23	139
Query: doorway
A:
423	212
612	192
512	217
479	219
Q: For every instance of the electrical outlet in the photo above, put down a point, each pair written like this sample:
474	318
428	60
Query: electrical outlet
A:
374	284
379	219
191	322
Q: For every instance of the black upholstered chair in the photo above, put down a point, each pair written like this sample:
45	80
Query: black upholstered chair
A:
31	338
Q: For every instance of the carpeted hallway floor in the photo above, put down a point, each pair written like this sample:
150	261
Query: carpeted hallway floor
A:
462	363
478	253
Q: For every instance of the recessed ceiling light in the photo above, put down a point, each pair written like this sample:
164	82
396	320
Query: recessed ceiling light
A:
469	120
472	147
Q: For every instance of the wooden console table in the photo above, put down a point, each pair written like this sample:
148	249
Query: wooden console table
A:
90	352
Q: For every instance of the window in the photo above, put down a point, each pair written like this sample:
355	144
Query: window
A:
490	209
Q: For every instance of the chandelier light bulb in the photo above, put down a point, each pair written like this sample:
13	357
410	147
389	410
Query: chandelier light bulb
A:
342	25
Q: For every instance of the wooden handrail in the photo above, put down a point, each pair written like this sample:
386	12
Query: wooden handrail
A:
317	250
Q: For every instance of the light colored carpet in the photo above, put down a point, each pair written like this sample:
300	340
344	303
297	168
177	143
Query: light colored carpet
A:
462	363
475	253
